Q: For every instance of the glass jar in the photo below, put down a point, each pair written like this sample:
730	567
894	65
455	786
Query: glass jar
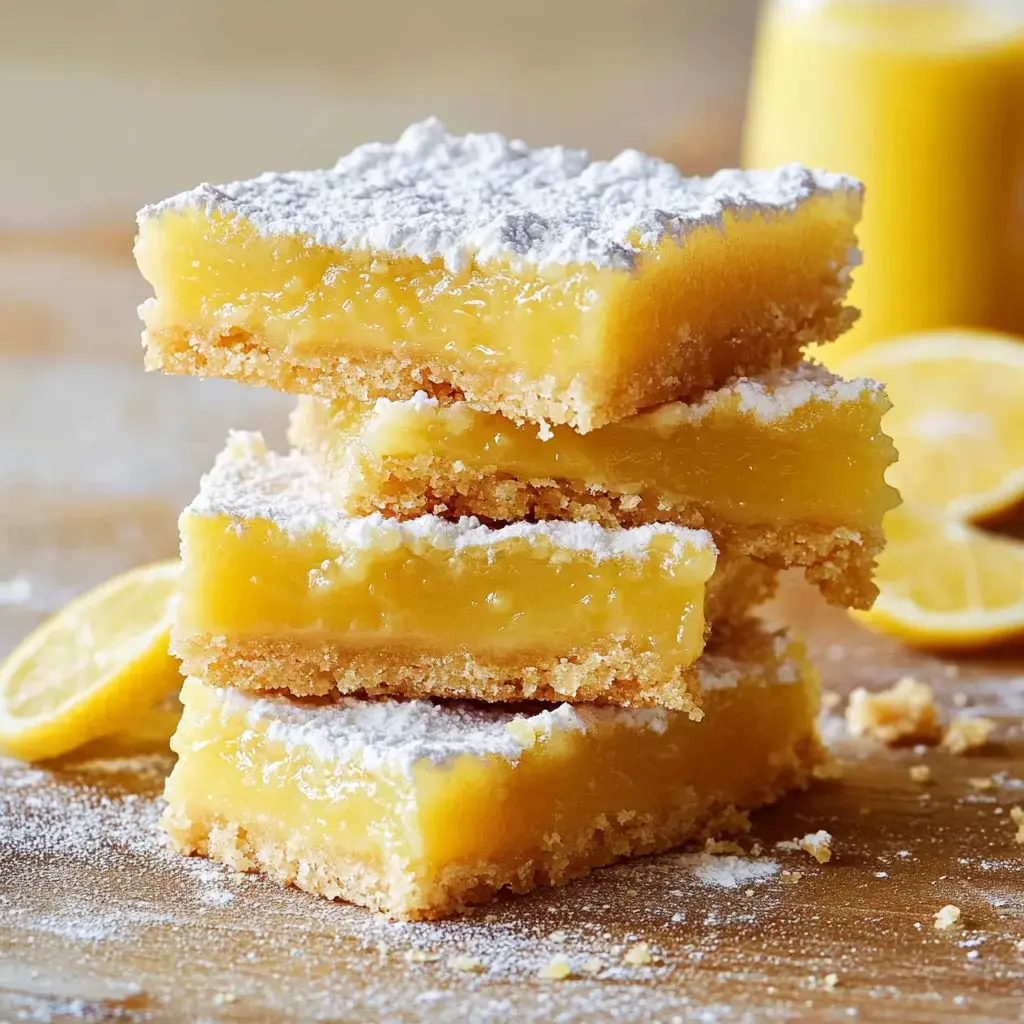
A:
923	100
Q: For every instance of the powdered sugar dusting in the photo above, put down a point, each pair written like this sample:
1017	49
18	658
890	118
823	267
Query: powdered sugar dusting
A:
397	734
769	398
485	197
249	482
773	397
732	872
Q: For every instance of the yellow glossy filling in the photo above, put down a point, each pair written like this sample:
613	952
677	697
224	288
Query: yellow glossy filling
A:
821	463
471	808
249	579
212	272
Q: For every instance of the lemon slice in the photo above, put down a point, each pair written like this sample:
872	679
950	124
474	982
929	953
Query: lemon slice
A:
944	583
149	732
957	418
93	668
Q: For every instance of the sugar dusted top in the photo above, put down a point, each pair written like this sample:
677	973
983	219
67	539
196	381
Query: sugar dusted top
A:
769	398
249	482
459	198
397	734
773	396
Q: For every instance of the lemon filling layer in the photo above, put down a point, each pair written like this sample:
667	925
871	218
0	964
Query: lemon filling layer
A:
536	282
421	809
277	580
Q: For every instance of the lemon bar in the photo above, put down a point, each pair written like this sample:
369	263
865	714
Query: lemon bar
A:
280	589
787	468
532	282
421	809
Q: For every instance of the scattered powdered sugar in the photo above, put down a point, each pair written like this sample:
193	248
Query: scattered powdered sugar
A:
97	817
483	197
249	482
731	872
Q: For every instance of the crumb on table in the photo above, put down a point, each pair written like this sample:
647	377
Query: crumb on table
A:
920	773
1017	817
967	734
818	845
948	917
557	968
904	713
638	954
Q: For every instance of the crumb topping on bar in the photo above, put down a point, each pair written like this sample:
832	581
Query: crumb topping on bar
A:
396	734
769	398
484	197
249	482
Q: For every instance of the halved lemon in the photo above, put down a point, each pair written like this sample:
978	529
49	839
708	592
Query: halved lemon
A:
93	668
957	418
944	583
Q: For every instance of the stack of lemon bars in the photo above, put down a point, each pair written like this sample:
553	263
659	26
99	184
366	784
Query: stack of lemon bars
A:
488	625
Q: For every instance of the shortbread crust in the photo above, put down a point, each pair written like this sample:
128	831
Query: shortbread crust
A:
534	283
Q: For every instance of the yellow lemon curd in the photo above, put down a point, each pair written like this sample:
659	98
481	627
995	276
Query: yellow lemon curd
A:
279	588
592	300
421	809
788	468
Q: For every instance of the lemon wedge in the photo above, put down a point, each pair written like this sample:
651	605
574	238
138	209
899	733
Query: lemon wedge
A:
92	669
957	418
944	583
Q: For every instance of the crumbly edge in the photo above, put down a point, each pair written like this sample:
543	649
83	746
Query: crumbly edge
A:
839	560
700	364
458	888
614	674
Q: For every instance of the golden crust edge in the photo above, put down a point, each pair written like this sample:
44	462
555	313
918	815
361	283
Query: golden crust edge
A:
615	675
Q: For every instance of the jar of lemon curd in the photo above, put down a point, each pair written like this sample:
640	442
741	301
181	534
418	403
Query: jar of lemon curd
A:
923	100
